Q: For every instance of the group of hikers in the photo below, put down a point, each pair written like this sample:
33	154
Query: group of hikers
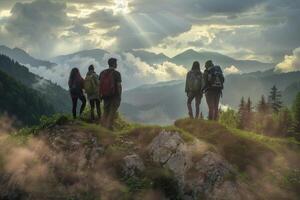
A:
210	83
107	87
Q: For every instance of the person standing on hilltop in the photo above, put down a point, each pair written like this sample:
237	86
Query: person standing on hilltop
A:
193	89
110	92
213	86
76	84
91	88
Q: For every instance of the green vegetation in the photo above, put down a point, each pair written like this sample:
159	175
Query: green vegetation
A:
51	93
259	160
21	102
269	118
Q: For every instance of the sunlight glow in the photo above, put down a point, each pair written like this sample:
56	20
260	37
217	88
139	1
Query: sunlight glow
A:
121	6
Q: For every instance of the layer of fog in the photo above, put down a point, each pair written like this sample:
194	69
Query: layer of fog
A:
135	72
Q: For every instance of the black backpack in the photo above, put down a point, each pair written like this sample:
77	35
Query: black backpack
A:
215	77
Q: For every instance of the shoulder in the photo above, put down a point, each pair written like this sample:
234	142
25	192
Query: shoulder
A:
117	76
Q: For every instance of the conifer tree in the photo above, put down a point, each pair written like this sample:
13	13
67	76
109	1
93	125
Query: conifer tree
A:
242	114
249	107
296	113
275	99
262	106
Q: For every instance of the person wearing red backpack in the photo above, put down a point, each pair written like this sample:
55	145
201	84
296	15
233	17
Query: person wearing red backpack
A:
110	91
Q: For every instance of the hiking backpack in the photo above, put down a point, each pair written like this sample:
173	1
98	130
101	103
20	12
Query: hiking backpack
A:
194	82
215	77
107	84
90	85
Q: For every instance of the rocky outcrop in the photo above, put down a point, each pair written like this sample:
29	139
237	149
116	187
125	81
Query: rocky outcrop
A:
200	172
132	164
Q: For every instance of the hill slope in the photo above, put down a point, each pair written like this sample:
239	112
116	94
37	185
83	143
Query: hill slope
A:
22	57
194	160
163	103
21	102
52	93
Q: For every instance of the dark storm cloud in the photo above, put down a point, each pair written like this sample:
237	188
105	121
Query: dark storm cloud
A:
138	30
36	25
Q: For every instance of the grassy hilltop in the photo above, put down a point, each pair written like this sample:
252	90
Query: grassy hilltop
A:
66	159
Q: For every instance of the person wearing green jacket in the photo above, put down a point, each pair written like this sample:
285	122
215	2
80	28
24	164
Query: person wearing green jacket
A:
91	86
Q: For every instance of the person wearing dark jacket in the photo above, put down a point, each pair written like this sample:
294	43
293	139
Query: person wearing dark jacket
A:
193	88
76	84
213	86
110	92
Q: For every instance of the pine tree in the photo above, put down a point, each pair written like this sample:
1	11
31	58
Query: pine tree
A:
275	99
262	106
296	113
249	107
242	114
284	122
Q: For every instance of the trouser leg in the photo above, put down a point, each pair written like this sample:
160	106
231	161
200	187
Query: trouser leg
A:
97	101
209	101
74	106
189	105
114	105
92	104
83	103
197	105
216	105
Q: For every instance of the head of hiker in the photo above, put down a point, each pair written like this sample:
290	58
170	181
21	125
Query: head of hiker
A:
209	64
112	63
91	68
196	66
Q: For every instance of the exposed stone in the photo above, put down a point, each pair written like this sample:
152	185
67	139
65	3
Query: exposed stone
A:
132	164
197	170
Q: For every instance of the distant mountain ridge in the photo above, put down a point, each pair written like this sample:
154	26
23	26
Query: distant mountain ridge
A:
53	94
187	57
19	101
24	58
162	103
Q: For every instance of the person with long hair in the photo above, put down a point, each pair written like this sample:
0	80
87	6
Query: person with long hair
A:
76	84
193	89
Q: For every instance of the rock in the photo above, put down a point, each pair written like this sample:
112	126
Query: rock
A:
198	170
132	164
169	150
208	172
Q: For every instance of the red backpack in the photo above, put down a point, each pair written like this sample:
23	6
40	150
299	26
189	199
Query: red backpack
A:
107	83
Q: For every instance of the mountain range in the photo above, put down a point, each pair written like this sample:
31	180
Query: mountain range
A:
52	93
163	103
24	58
21	102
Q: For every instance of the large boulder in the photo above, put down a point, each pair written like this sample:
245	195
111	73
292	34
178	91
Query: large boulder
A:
200	172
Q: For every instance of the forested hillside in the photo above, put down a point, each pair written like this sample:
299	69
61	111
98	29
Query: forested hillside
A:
23	103
52	93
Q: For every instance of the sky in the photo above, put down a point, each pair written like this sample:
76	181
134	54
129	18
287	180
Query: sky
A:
265	30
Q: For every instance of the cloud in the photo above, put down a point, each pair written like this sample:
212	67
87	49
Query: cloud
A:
37	25
231	70
290	63
134	71
60	73
257	28
139	72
